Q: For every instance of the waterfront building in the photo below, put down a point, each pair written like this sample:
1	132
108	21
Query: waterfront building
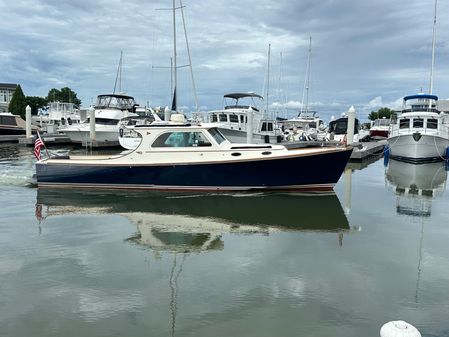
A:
6	92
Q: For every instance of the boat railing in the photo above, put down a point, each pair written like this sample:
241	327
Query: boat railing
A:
240	107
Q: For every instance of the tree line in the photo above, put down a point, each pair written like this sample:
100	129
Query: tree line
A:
19	101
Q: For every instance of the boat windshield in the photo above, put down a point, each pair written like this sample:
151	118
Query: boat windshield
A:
115	102
219	138
340	126
382	122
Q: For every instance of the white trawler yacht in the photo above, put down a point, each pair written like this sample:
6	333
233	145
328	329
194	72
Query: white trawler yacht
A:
421	132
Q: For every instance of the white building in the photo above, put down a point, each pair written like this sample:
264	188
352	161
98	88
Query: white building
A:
6	91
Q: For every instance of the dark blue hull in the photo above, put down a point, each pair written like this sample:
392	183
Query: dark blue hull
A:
314	172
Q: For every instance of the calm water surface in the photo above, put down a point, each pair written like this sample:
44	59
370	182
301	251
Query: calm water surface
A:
76	263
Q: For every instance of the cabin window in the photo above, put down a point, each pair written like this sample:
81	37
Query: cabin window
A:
223	118
242	119
233	118
214	118
432	123
404	123
219	138
418	122
181	139
264	126
312	125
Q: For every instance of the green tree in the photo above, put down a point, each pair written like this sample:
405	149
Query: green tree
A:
381	113
18	104
36	103
64	95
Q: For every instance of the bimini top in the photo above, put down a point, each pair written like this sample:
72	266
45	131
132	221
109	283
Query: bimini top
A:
421	96
115	101
239	95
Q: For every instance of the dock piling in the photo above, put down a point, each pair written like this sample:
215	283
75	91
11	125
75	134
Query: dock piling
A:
28	121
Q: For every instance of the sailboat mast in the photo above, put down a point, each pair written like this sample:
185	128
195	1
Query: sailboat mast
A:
433	48
268	77
120	75
305	91
190	58
175	69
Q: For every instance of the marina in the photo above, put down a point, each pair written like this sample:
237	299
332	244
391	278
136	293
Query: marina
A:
311	202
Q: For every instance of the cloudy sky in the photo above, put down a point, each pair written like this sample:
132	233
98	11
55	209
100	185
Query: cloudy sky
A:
364	53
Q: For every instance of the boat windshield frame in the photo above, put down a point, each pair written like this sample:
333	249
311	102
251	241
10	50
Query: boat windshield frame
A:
120	102
216	135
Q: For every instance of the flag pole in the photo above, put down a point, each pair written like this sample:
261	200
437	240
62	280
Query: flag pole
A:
46	150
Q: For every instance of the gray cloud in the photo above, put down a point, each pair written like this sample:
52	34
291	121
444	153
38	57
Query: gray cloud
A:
361	50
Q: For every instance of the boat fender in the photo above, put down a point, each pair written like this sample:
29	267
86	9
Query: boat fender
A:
399	329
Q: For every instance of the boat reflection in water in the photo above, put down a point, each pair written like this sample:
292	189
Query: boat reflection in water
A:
178	225
416	185
196	222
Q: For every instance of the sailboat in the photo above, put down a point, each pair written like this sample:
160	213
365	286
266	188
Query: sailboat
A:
307	125
421	131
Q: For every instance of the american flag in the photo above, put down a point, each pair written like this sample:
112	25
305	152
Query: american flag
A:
38	143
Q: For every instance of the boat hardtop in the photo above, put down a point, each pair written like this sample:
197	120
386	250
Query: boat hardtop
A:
240	95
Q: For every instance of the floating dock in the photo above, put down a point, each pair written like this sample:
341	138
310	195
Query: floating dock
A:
362	150
48	138
365	150
61	139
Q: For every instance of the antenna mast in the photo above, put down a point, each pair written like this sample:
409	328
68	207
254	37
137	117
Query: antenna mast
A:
305	92
433	48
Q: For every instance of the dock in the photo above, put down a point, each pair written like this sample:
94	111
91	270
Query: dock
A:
48	138
61	139
362	150
9	138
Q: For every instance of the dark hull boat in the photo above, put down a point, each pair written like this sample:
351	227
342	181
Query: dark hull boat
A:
197	157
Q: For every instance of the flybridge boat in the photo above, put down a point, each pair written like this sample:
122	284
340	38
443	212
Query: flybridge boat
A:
198	157
109	110
421	132
233	120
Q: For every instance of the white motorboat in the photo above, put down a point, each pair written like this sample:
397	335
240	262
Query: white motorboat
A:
421	132
109	110
232	121
59	115
198	157
306	126
338	128
380	129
